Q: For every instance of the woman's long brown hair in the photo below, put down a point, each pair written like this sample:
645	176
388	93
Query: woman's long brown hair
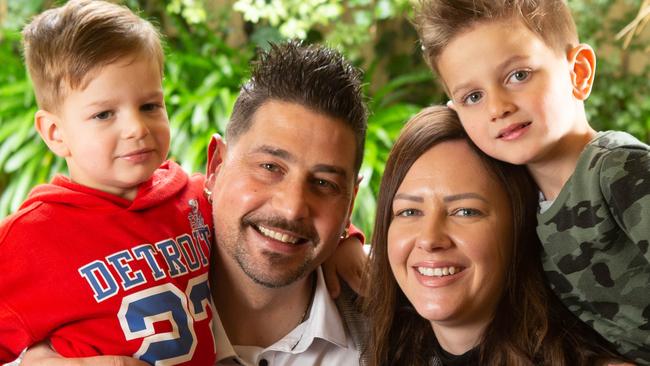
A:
530	327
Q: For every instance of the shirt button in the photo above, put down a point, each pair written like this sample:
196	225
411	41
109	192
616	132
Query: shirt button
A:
263	362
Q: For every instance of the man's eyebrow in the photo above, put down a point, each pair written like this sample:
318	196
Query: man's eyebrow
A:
275	151
333	169
408	197
462	196
287	156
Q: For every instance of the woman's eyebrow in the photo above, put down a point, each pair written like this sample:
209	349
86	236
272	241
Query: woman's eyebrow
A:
408	197
461	196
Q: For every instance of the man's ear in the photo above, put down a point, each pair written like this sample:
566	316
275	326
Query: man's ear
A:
216	154
48	126
582	60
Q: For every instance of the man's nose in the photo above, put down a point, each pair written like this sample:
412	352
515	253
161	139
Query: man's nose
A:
292	199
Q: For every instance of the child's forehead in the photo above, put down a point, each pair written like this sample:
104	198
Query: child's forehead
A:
490	48
118	63
495	30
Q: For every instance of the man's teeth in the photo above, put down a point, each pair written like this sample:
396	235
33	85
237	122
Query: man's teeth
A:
278	236
437	272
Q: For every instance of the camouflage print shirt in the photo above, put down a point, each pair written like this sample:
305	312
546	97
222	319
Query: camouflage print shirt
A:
595	237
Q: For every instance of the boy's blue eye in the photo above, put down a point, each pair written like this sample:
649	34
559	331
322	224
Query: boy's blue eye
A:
472	98
149	107
519	76
103	115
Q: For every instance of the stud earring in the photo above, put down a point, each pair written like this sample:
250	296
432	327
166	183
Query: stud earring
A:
346	233
208	194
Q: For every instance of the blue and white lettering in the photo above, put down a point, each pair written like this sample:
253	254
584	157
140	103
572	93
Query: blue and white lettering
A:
202	235
92	272
129	278
147	252
185	242
170	251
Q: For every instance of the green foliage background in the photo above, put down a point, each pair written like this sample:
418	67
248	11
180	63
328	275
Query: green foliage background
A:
210	44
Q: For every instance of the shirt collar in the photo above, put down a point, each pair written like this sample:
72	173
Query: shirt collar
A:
324	322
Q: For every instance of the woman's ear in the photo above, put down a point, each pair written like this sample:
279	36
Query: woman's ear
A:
48	126
582	60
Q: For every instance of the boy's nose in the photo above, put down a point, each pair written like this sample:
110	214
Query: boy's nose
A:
135	128
499	106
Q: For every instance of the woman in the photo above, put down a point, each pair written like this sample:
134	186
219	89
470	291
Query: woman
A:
455	261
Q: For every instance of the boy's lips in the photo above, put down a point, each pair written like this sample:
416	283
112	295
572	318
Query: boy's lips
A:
137	155
513	131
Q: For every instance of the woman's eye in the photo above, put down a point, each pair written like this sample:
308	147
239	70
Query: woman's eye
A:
407	212
466	212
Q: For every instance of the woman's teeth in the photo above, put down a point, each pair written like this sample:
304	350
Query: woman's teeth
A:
437	272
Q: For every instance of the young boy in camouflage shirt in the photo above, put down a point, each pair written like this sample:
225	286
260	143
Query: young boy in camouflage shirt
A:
518	77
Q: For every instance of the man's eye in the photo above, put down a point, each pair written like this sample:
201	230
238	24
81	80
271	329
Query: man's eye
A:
325	185
270	167
103	115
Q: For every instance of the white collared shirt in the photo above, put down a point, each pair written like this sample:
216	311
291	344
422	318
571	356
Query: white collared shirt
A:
320	340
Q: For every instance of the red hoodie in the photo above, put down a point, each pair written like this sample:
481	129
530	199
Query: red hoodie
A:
97	274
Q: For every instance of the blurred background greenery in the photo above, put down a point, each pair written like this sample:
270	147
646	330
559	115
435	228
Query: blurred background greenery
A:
210	43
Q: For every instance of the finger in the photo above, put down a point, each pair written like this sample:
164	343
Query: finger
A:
354	280
332	282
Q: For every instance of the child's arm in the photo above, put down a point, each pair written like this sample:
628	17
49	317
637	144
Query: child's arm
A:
42	355
625	182
348	261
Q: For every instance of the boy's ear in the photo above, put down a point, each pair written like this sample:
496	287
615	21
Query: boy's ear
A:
582	59
47	125
216	154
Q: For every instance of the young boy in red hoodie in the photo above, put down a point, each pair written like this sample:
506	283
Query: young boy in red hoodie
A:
113	259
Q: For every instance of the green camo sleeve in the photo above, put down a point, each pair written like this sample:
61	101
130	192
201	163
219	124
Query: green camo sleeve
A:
625	184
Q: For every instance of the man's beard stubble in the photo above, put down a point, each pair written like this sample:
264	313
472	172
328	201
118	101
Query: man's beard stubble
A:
255	271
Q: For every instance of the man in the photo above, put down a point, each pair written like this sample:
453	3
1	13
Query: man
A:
282	195
282	191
